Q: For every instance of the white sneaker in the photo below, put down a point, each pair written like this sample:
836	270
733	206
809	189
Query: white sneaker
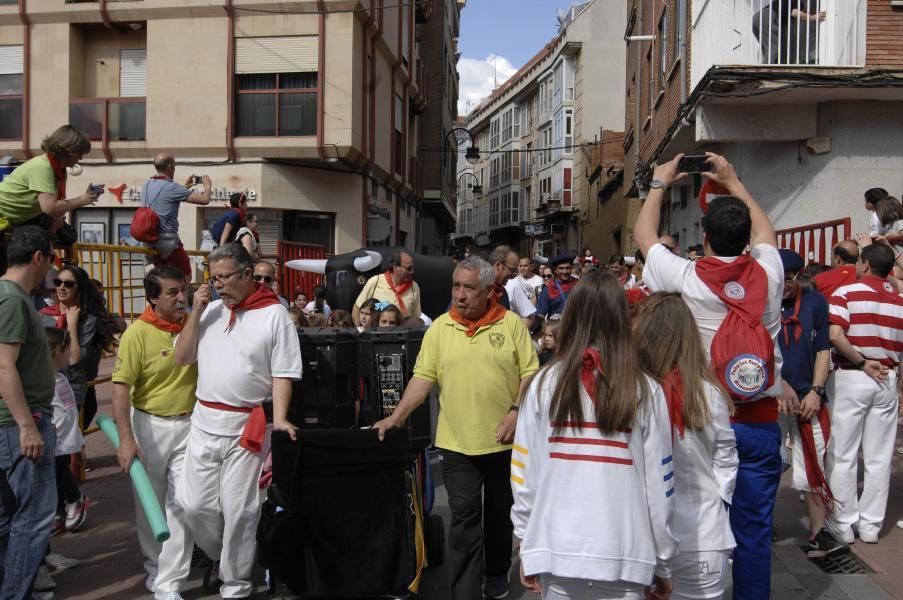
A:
149	582
869	537
58	562
43	582
900	524
167	596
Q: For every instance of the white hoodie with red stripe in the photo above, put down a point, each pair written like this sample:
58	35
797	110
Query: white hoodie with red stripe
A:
589	505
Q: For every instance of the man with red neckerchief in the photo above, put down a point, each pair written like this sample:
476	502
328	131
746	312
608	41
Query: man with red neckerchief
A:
248	354
868	346
395	286
152	402
844	257
553	298
480	355
743	293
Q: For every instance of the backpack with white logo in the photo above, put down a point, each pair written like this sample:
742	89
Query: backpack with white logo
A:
742	350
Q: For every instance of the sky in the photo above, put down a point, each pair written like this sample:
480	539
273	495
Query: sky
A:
497	38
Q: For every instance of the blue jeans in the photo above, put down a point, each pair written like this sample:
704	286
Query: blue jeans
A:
758	445
25	530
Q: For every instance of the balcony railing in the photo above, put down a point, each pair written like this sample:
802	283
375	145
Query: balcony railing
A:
814	242
110	119
825	33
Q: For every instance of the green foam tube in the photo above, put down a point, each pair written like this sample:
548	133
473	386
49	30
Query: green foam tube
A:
142	483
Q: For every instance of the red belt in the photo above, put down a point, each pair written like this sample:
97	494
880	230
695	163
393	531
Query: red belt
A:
253	434
758	411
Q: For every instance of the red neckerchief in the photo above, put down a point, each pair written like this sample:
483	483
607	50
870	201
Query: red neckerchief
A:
828	282
793	319
814	475
163	177
55	312
636	295
241	216
558	288
261	298
494	312
673	387
591	368
716	274
623	279
399	291
59	173
151	317
497	292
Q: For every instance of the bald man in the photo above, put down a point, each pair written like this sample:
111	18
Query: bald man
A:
164	195
843	258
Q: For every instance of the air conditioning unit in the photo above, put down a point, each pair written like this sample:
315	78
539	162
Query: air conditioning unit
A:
556	229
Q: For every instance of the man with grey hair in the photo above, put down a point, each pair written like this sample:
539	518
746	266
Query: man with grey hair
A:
248	354
505	263
163	196
486	355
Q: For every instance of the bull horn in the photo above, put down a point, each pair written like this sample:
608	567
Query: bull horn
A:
369	262
311	265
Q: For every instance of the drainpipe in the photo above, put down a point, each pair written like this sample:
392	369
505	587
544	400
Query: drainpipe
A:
321	76
684	67
639	94
230	82
26	79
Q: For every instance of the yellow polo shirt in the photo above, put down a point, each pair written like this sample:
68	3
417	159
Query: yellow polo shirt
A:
146	362
478	378
377	287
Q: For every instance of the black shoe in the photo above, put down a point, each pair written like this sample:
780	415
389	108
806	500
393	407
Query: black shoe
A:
496	587
824	544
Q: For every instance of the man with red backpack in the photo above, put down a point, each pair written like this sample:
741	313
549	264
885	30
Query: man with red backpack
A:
163	196
736	299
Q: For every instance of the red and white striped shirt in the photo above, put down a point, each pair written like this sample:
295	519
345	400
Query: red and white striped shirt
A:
870	312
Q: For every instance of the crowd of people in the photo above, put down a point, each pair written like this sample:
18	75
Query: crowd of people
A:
664	388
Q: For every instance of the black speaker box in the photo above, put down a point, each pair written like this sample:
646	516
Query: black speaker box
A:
324	398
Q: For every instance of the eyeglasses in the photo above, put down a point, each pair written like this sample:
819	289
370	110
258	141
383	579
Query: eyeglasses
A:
223	277
408	268
791	279
69	283
548	276
263	278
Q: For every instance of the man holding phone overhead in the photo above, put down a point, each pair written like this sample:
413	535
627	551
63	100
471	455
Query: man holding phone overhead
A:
736	299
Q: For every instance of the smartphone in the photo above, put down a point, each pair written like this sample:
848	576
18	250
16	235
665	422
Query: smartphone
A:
698	163
196	180
97	188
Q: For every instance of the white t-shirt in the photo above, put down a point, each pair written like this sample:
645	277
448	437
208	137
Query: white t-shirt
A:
665	272
530	284
520	304
69	439
311	307
237	366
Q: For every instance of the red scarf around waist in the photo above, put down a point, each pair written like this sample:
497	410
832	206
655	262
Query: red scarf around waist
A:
151	317
818	483
59	173
254	433
399	291
494	312
261	298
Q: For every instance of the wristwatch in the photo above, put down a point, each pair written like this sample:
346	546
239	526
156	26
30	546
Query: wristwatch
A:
861	364
655	184
514	407
818	389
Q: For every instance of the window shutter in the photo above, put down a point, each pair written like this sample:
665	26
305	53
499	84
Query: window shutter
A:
133	73
12	60
287	54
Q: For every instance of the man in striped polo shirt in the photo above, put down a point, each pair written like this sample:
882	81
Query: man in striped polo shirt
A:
867	334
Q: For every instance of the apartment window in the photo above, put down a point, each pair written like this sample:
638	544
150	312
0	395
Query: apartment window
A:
663	50
399	136
526	162
516	121
276	86
677	36
651	76
506	168
568	131
11	62
494	134
494	173
507	127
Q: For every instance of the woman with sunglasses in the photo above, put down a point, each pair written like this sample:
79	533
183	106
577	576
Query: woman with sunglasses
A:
80	309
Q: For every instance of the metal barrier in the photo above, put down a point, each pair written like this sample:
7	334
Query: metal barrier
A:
812	241
294	281
121	270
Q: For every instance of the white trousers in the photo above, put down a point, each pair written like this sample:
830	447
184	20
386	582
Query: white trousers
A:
569	588
222	504
163	440
863	413
699	575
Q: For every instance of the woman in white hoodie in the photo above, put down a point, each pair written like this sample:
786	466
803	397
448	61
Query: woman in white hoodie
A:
705	449
591	463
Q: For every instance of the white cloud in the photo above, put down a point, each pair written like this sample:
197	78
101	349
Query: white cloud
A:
478	77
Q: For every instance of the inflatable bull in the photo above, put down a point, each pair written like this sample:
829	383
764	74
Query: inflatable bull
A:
346	274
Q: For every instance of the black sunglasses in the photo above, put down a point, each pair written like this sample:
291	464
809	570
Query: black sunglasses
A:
69	283
264	278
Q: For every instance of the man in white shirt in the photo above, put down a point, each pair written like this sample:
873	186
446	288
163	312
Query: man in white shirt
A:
527	279
730	225
248	354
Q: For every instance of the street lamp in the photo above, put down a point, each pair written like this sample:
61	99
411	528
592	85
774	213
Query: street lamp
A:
472	154
476	189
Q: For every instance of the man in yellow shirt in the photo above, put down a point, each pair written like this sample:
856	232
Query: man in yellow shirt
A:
395	286
161	396
480	355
